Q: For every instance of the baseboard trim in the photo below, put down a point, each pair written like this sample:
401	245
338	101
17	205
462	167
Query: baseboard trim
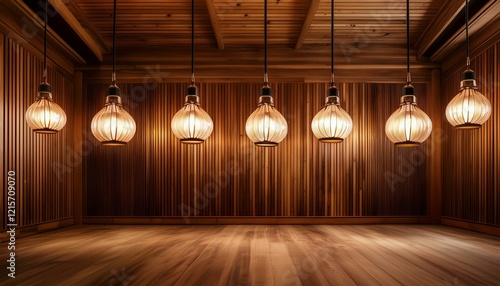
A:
465	224
257	220
38	228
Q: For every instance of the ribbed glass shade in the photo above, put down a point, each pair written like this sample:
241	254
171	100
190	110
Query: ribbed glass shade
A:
44	115
113	125
266	127
332	124
469	109
191	124
408	126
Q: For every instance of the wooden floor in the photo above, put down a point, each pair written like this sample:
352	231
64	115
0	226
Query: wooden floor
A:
257	255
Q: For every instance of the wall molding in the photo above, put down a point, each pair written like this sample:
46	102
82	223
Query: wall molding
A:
38	228
474	226
292	220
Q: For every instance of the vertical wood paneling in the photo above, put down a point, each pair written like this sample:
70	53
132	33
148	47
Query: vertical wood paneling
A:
43	187
156	175
471	189
3	195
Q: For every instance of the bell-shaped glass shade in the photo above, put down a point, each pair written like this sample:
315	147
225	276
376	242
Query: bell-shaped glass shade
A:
113	125
469	109
44	115
266	127
408	126
332	124
191	124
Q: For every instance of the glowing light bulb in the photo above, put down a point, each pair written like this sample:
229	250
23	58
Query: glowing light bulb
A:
113	125
44	115
332	124
408	126
191	124
469	109
266	127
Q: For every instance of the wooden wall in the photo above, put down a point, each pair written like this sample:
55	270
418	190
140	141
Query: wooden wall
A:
41	162
155	175
471	187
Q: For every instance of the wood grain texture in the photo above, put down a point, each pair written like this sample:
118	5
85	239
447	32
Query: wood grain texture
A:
215	23
471	187
362	23
42	162
258	255
167	23
156	175
311	12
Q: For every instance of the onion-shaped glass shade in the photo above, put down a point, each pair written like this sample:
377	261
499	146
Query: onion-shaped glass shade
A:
113	125
191	124
44	115
408	126
332	124
469	109
266	127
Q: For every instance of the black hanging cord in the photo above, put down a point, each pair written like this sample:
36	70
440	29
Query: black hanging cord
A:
45	43
113	76
192	41
467	31
408	78
332	47
265	43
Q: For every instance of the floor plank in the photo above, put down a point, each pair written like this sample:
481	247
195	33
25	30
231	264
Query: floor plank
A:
256	255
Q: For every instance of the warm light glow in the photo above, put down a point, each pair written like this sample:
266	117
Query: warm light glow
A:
266	127
191	124
332	124
408	126
44	115
112	125
469	109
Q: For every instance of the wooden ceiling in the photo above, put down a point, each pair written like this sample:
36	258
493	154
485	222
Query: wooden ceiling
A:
292	23
229	34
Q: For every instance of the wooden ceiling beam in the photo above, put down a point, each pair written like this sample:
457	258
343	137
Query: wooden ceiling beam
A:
479	42
374	53
22	25
449	10
488	14
381	63
91	39
147	76
313	7
215	23
437	25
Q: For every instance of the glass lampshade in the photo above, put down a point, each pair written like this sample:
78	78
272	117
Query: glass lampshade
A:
191	124
469	109
113	125
44	115
266	127
408	126
332	124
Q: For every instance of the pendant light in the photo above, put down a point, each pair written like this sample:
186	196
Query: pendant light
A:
113	125
332	124
191	124
408	126
266	127
44	115
469	109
